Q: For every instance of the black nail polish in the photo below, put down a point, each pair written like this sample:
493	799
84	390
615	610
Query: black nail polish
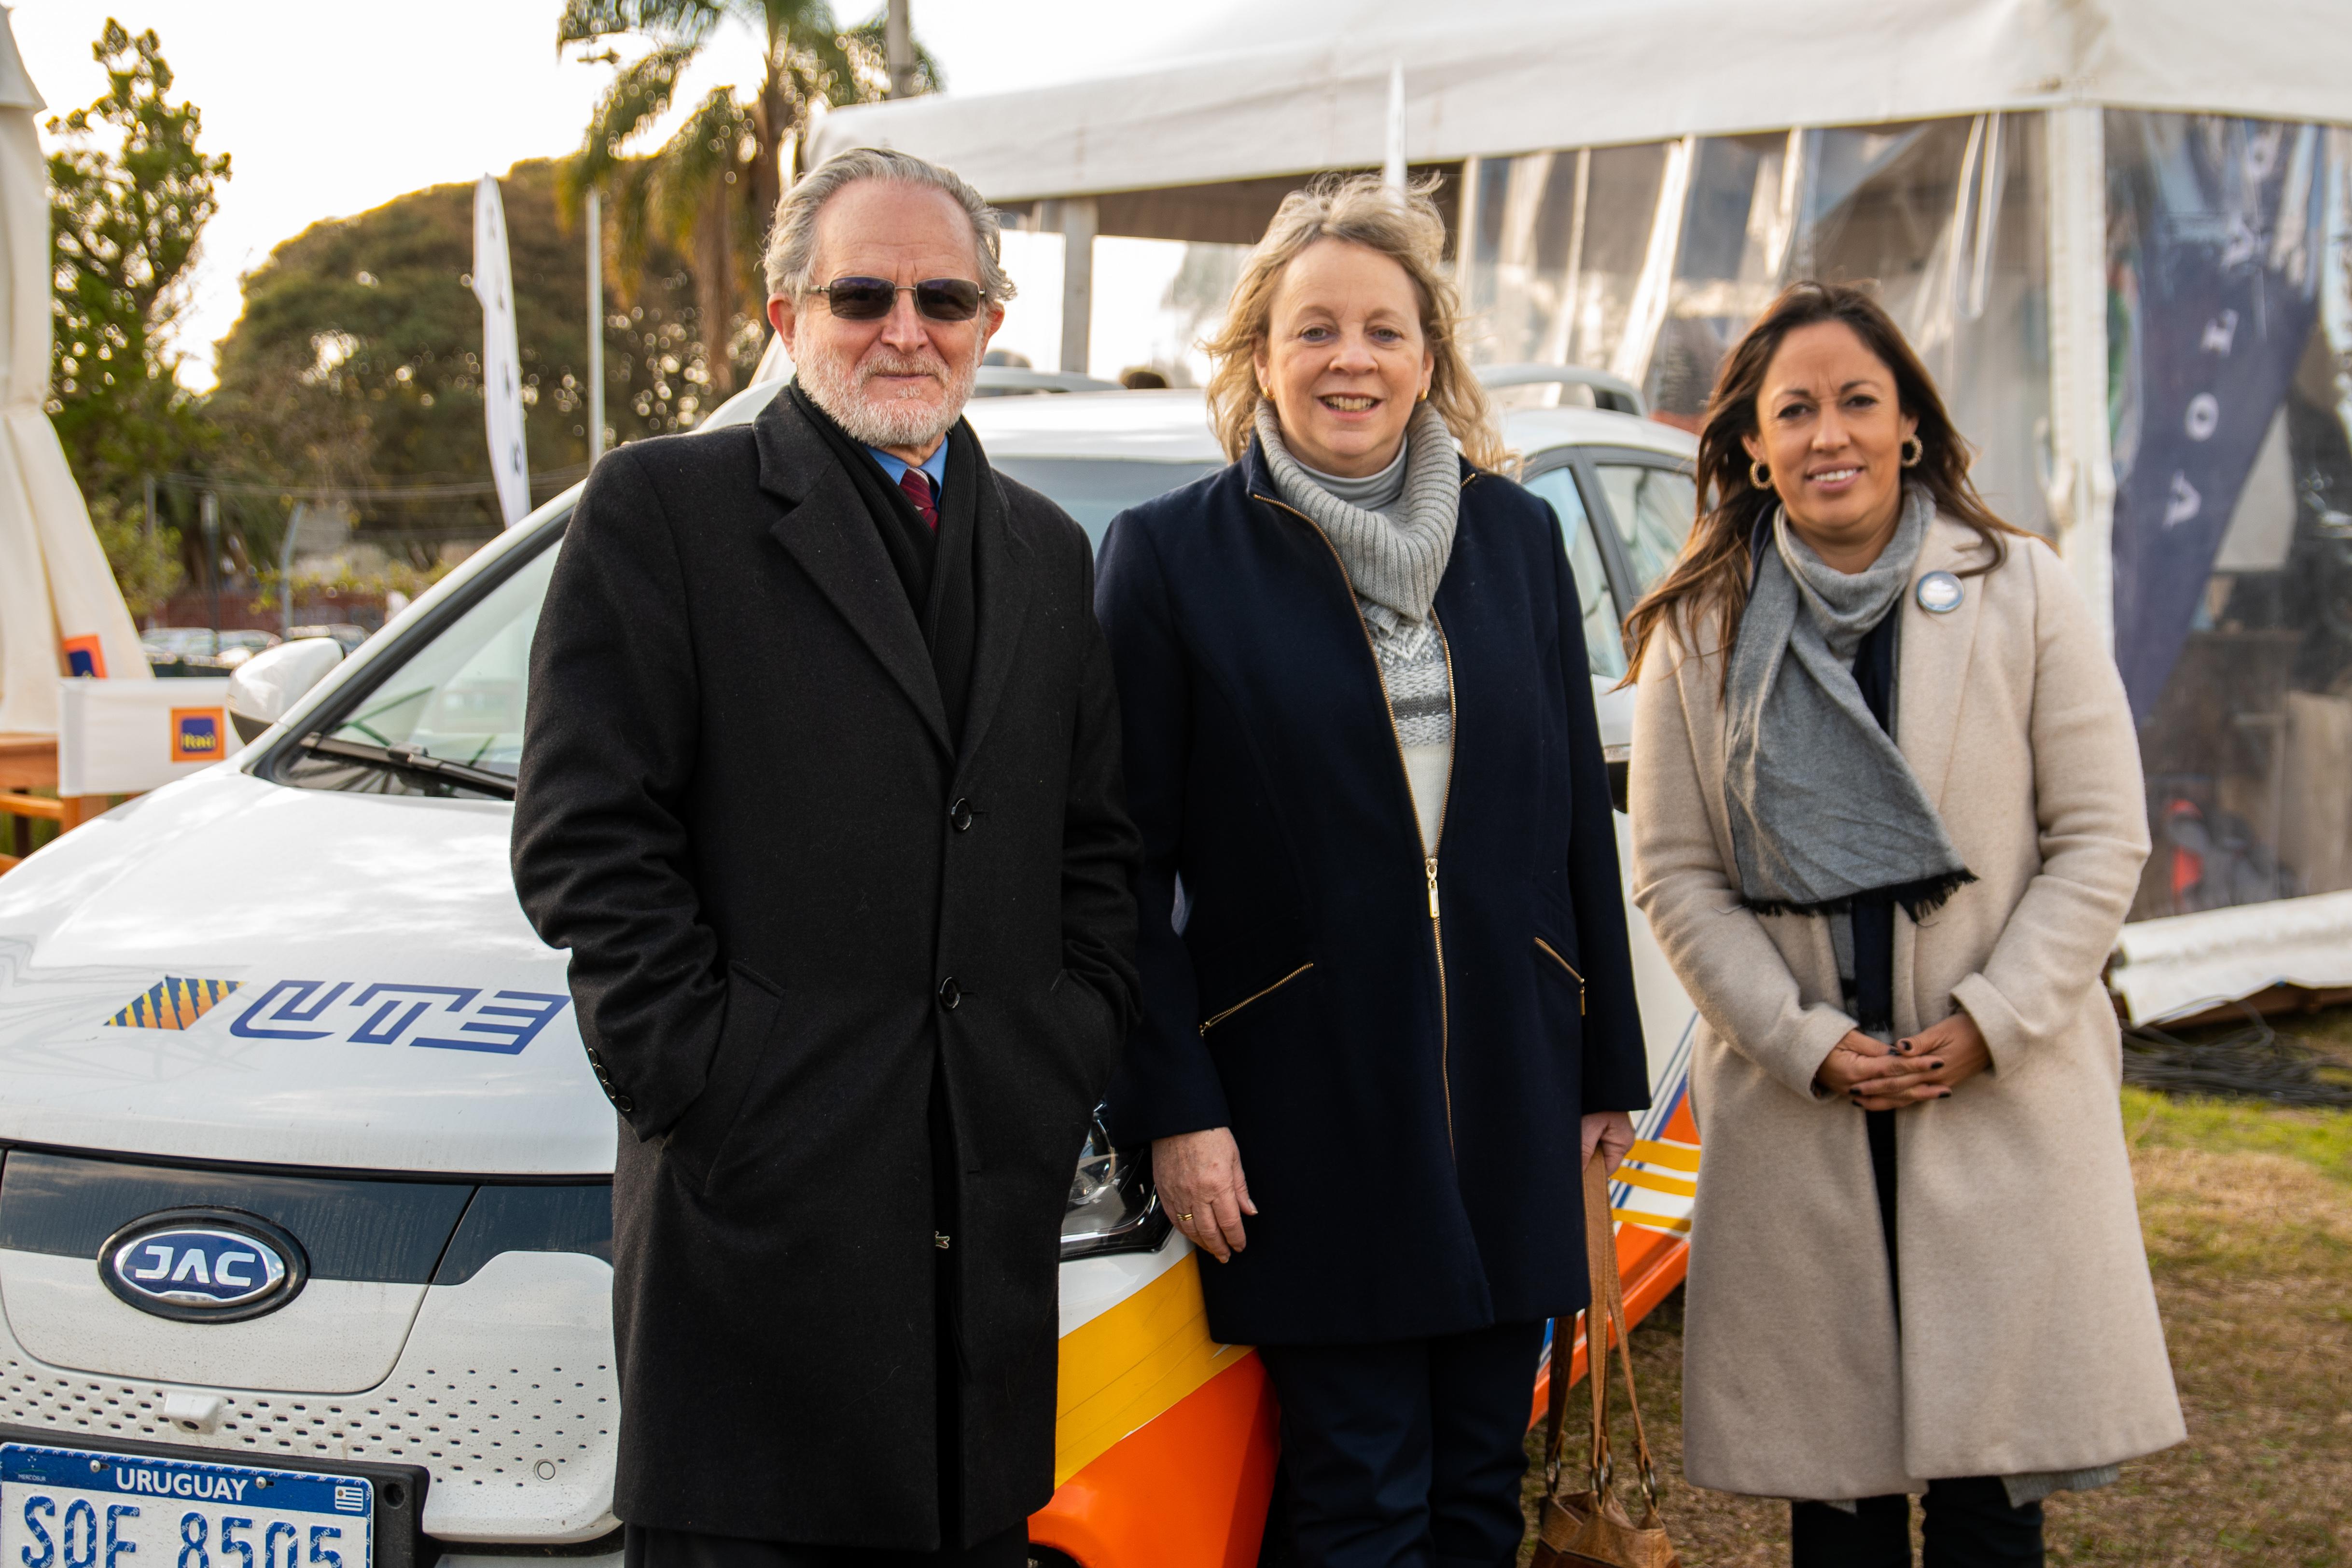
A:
1936	1067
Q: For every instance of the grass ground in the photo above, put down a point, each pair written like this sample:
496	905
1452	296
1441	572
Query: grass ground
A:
2247	1211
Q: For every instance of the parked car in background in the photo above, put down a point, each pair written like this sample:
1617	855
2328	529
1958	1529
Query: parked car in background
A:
318	1187
347	636
200	650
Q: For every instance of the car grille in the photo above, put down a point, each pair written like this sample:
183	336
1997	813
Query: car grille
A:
515	1453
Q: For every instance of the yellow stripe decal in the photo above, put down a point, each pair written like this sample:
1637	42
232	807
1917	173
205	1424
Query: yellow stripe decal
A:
173	1002
1651	1221
1674	1185
1674	1156
1131	1364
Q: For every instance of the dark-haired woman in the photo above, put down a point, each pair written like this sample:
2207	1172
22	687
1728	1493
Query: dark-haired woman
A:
1886	820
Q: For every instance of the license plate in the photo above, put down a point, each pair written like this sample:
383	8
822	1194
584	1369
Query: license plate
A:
68	1508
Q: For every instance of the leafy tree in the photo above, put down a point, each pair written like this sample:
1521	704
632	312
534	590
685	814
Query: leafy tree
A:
129	195
356	364
147	566
710	189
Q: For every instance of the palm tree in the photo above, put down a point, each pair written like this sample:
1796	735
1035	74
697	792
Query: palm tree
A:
711	188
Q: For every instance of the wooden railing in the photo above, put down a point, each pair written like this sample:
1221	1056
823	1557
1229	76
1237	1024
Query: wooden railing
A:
28	763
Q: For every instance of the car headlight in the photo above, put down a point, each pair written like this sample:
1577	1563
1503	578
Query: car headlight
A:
1113	1206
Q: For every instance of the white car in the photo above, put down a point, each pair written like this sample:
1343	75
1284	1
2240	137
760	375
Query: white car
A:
305	1227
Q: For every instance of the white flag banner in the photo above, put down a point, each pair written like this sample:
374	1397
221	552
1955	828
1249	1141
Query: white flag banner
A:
501	360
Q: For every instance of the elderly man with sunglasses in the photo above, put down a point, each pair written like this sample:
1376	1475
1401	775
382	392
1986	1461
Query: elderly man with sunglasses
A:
820	785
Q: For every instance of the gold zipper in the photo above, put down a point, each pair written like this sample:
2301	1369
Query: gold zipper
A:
1553	953
1213	1021
1429	860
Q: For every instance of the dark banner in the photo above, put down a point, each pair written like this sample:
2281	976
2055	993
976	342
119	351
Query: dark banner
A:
2214	240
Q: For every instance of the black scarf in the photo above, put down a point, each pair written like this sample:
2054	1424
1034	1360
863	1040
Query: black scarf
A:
935	568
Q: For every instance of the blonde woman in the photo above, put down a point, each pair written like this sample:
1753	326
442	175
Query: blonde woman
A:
1886	821
1388	1002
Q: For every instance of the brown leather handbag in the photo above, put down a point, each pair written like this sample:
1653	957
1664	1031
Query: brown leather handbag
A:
1590	1529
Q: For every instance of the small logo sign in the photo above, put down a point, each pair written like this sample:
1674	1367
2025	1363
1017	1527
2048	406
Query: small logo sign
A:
85	656
1939	593
203	1265
196	734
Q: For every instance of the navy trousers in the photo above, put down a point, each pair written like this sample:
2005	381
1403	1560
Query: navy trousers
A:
1964	1523
1408	1454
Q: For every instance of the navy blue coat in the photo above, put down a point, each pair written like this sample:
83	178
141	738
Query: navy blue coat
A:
1406	1092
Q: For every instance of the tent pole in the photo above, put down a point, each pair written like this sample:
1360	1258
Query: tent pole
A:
595	388
285	570
2081	495
898	48
1078	224
208	518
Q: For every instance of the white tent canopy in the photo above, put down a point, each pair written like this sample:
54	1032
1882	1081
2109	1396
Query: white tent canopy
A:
60	607
2005	283
1305	85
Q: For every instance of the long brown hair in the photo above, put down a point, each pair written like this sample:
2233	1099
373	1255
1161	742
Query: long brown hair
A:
1403	226
1711	573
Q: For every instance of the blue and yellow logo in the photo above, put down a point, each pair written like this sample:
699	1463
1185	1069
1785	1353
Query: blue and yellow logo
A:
196	734
173	1003
85	657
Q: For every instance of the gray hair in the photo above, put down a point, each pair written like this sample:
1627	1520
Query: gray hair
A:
792	242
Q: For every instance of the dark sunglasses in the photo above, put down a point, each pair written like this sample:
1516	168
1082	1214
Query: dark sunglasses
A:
871	298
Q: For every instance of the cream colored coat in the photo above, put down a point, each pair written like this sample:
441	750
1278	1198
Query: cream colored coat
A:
2029	1340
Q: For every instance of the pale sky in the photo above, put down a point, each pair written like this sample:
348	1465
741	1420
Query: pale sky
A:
328	109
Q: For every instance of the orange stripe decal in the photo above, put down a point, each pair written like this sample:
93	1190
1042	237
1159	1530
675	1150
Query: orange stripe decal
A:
1130	1364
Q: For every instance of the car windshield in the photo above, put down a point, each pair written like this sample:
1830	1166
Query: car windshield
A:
457	699
454	706
1654	508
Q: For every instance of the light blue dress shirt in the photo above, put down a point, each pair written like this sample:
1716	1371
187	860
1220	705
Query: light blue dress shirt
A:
935	465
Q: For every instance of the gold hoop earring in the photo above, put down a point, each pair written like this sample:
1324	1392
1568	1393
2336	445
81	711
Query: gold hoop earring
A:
1913	449
1759	476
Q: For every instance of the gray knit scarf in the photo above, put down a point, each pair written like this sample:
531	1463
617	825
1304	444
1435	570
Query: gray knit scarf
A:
1394	559
1823	806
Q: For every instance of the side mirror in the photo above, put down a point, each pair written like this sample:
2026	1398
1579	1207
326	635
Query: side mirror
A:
263	688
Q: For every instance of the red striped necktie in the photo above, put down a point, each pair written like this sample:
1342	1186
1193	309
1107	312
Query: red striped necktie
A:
918	486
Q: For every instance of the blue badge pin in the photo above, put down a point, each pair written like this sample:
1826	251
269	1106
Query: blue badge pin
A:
1939	593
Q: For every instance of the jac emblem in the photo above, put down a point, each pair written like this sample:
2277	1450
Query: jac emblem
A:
203	1265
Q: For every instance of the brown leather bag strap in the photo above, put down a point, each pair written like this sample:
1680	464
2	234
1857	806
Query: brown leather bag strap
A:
1602	1314
1608	1298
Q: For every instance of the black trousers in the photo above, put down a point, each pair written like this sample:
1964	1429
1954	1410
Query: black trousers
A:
1408	1454
1965	1523
643	1548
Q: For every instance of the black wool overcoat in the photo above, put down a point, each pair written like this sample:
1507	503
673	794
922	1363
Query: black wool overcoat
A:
788	897
1403	1049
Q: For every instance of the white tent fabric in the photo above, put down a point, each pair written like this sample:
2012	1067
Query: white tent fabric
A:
1305	83
55	589
2186	962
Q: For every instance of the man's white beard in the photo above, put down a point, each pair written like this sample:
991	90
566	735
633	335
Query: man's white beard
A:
839	388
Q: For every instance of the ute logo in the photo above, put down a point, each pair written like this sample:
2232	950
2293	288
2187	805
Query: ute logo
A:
203	1265
355	1012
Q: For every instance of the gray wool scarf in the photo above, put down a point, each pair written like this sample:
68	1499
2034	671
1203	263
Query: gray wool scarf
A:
1394	563
1394	557
1823	806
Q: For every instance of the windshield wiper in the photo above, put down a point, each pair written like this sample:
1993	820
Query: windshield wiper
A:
408	760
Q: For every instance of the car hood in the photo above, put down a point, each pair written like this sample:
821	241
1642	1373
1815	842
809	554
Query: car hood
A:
232	969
